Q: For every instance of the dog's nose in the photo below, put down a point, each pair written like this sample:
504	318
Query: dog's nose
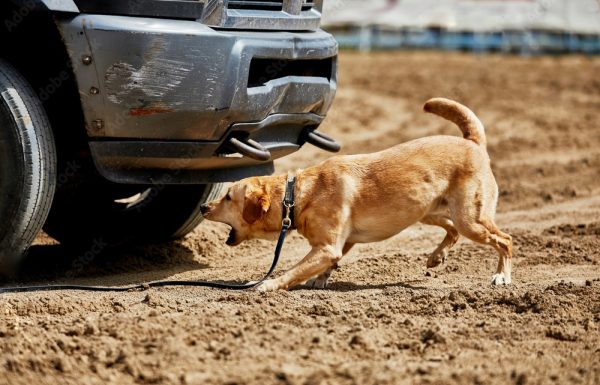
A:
204	209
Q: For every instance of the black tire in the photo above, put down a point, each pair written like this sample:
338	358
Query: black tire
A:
27	166
96	211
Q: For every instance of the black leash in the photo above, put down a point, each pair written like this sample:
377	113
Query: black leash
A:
289	202
287	222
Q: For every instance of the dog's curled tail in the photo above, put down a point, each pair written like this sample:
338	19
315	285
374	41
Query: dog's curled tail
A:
462	116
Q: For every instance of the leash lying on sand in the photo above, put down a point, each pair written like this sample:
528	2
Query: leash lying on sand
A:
218	285
287	222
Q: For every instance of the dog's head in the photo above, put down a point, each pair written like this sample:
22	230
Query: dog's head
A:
246	208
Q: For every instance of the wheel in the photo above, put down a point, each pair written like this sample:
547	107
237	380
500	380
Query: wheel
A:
95	211
27	166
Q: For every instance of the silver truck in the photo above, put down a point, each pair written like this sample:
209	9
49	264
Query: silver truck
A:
118	119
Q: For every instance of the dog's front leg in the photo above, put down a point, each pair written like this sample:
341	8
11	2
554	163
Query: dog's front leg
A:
321	281
316	262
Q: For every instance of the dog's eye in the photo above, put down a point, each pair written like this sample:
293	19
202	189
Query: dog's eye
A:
228	197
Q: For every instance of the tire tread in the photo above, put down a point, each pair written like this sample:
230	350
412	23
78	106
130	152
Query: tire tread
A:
39	159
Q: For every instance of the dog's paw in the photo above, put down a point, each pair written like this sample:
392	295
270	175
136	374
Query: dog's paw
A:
319	282
268	285
500	279
435	260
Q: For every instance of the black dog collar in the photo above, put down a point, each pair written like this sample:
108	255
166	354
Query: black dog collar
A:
289	203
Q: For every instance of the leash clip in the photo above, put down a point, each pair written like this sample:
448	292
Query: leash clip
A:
287	222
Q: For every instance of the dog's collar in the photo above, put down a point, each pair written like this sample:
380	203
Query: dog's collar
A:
289	203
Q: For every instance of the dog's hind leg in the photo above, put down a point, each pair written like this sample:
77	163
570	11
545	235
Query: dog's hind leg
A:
472	210
320	282
485	232
441	252
504	268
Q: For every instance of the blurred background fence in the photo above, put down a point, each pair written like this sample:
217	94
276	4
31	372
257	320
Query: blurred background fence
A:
519	26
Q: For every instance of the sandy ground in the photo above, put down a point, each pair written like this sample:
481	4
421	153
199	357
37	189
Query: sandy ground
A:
384	318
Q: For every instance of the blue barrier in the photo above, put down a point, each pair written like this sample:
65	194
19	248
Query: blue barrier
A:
521	42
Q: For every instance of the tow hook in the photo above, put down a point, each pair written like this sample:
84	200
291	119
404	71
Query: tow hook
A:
322	141
251	149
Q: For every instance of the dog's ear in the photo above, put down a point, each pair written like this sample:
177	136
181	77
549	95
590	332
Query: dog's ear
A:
256	204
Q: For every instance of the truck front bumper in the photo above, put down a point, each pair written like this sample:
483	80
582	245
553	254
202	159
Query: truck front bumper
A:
161	97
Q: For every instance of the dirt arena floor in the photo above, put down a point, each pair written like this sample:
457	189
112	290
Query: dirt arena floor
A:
385	319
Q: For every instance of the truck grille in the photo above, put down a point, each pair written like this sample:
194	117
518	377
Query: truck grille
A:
274	5
307	5
266	15
256	4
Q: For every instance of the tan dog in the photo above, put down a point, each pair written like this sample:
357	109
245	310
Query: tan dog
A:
443	181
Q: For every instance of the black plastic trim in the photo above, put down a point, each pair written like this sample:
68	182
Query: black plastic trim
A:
265	70
184	162
172	9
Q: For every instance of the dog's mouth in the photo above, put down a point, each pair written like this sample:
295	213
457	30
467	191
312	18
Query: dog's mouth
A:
232	237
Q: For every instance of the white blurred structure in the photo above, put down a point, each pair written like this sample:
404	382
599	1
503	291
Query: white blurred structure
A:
565	25
573	16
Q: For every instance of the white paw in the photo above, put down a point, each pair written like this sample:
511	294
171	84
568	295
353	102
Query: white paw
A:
268	285
500	279
318	283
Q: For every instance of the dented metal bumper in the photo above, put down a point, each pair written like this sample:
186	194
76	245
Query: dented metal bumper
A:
161	98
